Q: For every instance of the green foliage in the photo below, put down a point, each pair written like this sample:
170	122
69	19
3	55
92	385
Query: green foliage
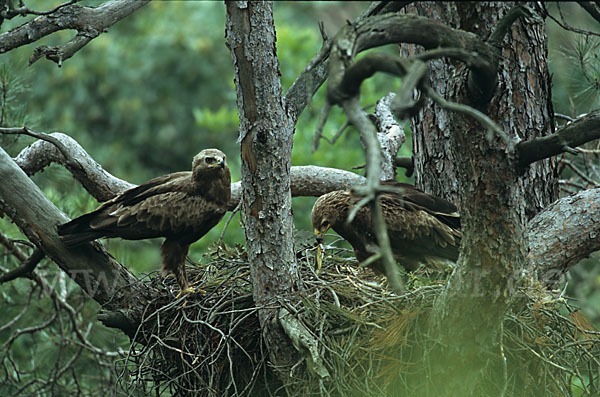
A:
574	62
42	342
143	99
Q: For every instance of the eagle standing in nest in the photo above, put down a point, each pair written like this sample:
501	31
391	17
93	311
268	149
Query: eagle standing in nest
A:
182	207
423	229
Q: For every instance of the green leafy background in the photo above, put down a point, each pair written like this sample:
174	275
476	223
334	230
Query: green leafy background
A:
148	95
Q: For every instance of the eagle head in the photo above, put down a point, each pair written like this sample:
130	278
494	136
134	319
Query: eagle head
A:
208	161
326	213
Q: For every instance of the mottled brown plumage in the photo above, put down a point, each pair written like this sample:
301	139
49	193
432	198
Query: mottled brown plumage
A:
182	207
423	229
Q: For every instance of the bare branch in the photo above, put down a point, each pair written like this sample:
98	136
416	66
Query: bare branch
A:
369	136
584	129
565	25
97	181
89	22
305	180
11	248
299	94
23	11
389	133
592	8
579	173
565	232
405	162
505	23
89	265
25	268
391	28
310	180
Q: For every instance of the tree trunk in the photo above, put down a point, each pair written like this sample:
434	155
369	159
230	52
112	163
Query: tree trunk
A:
457	158
521	105
266	133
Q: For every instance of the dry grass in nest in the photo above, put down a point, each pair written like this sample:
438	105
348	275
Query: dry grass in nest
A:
369	340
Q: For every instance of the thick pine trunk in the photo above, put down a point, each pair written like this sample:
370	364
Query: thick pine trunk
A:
457	158
266	133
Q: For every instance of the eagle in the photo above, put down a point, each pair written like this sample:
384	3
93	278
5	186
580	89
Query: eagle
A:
181	207
423	229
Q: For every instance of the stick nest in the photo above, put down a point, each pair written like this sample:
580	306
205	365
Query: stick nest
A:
369	340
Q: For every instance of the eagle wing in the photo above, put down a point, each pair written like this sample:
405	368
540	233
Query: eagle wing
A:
175	214
161	207
409	219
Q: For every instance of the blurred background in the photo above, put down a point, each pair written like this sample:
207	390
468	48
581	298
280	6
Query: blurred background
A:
148	95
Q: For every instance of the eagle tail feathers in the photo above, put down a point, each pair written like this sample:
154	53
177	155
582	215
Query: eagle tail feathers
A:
78	231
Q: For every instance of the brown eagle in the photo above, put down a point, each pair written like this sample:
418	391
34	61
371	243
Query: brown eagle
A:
423	229
182	207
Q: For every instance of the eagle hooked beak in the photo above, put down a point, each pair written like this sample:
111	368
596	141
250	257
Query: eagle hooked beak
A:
220	163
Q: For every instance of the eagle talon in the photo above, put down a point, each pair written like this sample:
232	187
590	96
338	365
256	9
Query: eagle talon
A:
188	290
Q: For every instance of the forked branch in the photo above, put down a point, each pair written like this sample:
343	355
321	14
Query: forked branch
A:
89	22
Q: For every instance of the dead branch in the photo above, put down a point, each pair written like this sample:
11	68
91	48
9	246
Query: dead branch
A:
89	265
89	22
25	268
307	83
64	150
305	180
582	130
592	8
565	232
390	135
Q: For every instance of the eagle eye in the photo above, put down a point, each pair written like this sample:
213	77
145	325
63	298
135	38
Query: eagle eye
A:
210	160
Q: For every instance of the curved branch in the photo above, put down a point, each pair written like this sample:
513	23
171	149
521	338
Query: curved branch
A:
89	22
582	130
12	12
368	135
24	268
592	9
505	23
89	265
565	232
393	29
305	180
66	151
405	162
315	73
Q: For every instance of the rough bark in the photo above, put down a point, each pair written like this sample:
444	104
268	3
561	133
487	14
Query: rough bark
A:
458	159
526	46
266	133
564	233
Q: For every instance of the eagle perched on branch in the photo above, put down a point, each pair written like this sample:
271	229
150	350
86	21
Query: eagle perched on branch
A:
182	207
423	229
